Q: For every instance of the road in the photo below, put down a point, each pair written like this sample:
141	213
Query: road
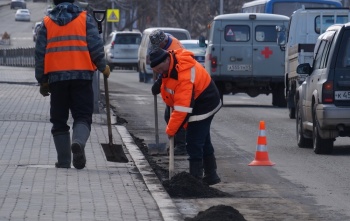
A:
301	186
21	31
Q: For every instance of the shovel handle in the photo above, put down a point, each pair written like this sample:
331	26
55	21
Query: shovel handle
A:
171	157
108	111
99	21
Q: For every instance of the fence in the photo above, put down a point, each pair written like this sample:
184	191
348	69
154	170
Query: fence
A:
20	57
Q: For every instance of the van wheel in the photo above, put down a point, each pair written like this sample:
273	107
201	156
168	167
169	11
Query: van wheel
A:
220	88
301	139
321	146
278	98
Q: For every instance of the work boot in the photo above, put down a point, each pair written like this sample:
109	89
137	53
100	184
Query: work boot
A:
210	175
196	168
62	144
80	136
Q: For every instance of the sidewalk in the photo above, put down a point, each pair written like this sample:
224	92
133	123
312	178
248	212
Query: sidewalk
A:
31	188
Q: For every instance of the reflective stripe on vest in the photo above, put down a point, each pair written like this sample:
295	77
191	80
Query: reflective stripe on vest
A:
204	116
66	48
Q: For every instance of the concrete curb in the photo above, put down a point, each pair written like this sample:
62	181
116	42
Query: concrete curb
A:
166	205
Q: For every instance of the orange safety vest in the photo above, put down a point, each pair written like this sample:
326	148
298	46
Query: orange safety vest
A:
180	93
66	48
175	44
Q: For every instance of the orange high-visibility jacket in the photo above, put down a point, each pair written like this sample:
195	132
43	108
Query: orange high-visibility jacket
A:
175	44
189	90
66	48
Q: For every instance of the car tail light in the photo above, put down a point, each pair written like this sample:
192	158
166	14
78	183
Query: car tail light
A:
327	92
213	62
112	45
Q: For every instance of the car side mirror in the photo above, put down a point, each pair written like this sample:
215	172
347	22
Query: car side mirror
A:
281	35
304	69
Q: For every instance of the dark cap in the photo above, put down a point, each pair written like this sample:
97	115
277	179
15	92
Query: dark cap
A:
157	56
56	2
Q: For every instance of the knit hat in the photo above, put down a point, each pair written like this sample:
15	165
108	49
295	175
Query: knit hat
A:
158	56
56	2
156	37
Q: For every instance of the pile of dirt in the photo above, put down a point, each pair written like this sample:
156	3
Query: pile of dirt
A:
184	185
218	213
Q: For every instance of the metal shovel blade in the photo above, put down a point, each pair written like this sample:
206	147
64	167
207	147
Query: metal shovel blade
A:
157	149
114	153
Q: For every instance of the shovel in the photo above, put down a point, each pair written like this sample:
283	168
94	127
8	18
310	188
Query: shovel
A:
113	152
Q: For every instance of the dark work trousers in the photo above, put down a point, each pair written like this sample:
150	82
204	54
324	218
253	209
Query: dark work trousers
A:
180	136
198	139
74	95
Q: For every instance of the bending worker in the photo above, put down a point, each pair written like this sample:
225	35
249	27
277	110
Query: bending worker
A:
159	39
189	90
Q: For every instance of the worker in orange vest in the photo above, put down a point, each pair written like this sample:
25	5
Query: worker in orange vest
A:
189	90
68	51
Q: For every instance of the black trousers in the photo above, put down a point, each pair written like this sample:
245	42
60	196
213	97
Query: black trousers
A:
75	96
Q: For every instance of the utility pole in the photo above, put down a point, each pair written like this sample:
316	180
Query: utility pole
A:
158	11
221	7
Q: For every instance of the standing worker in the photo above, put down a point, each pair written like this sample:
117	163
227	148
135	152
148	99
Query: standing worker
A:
68	50
189	90
159	39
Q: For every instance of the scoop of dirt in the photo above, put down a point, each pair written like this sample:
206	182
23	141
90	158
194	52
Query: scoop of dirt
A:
184	185
218	213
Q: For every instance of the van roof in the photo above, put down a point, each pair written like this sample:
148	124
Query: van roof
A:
128	31
164	29
245	16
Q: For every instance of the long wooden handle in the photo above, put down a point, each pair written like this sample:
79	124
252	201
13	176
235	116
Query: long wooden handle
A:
108	111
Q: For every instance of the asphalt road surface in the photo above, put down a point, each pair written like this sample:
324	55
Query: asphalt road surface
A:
300	186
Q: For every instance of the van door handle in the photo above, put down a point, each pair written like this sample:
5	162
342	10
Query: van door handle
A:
255	49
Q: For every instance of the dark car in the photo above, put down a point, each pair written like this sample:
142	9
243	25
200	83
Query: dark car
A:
18	4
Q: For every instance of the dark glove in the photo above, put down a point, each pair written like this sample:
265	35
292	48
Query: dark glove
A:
156	86
44	89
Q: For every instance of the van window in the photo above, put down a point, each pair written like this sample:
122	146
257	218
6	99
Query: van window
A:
328	20
236	33
128	39
266	33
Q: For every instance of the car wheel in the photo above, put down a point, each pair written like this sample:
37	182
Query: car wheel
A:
291	112
301	139
320	145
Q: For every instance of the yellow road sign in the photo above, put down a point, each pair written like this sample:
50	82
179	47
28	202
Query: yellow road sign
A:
112	15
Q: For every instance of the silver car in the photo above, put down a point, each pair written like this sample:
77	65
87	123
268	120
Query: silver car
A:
323	99
121	49
22	15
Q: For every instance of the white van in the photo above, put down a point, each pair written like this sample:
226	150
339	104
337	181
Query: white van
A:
145	71
243	56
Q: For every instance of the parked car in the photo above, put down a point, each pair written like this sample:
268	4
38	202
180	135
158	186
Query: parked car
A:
36	29
18	4
121	48
145	71
197	49
22	15
323	99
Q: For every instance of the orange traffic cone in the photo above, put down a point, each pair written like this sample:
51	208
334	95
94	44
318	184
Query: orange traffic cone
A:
261	154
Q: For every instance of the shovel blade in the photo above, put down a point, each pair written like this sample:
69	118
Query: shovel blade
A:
114	153
154	149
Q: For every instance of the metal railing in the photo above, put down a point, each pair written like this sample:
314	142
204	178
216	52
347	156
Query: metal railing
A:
20	57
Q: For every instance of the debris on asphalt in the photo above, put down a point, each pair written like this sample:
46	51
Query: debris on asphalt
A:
184	185
218	213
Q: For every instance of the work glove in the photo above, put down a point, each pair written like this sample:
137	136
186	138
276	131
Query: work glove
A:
156	86
44	89
107	71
